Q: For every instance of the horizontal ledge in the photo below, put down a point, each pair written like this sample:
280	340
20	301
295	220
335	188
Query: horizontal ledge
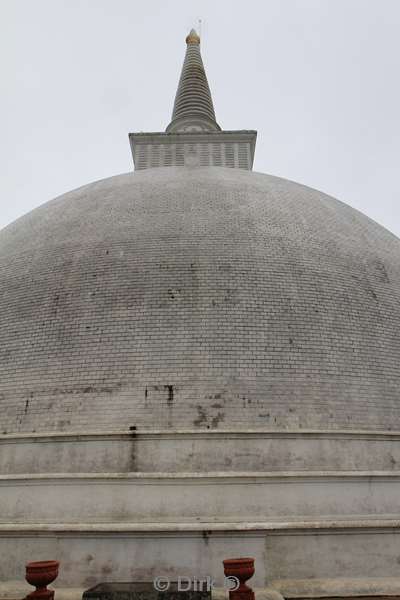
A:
192	134
340	587
202	527
223	477
74	436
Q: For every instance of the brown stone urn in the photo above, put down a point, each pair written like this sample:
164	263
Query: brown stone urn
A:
242	569
40	574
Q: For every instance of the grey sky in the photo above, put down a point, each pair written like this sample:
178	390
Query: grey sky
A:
318	79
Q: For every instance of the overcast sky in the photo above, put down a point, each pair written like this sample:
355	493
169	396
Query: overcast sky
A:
318	79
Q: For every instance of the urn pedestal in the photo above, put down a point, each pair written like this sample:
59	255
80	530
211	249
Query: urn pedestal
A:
40	574
242	569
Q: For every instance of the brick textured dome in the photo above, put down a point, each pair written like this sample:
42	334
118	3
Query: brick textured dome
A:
198	297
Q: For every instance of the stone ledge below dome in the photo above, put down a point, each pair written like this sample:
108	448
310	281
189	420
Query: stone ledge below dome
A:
340	587
329	589
189	528
202	497
200	451
282	556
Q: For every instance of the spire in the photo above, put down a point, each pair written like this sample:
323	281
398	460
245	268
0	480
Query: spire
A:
193	138
193	107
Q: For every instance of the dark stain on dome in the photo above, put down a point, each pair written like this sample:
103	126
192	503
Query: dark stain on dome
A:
170	390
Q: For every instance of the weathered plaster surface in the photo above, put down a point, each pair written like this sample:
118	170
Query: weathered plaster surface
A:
198	298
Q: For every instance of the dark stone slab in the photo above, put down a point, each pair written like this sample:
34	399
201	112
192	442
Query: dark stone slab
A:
141	590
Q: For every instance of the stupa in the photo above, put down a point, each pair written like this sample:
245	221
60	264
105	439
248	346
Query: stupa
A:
199	361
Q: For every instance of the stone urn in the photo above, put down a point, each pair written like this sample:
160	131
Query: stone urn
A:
40	574
242	569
